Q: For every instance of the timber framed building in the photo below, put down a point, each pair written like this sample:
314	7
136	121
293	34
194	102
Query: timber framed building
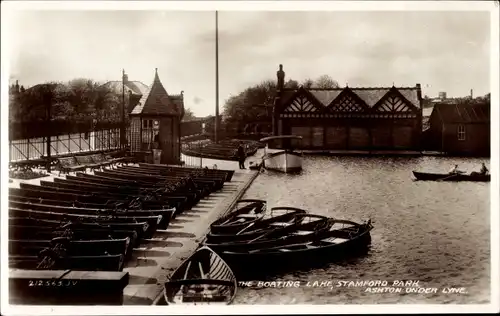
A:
388	118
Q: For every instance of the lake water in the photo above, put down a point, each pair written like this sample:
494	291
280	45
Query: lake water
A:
435	232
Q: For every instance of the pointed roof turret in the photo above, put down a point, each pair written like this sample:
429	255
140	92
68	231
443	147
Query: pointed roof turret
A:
157	79
156	101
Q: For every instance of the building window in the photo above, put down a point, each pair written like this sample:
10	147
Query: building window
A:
461	132
147	124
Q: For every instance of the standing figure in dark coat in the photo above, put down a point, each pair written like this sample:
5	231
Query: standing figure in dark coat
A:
241	156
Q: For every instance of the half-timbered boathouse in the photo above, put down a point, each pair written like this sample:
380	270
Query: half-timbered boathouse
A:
350	118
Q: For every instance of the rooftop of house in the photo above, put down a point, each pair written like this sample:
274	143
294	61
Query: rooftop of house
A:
369	95
463	112
134	87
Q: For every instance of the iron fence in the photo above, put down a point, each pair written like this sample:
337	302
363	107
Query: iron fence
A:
36	148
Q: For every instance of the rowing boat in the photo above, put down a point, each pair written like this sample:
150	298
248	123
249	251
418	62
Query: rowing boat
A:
203	279
72	247
271	222
247	212
474	177
309	227
336	244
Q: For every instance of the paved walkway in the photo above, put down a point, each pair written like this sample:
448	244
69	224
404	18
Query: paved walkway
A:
163	254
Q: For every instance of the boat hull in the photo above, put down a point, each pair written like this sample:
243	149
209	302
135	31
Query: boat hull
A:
251	265
283	161
203	279
452	178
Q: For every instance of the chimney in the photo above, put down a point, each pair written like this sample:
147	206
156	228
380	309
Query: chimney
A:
281	78
419	91
471	94
17	86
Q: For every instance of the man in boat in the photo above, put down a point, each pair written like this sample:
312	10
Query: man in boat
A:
455	170
241	156
482	172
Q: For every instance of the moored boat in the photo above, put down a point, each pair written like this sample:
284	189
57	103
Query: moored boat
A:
284	159
247	212
274	219
335	244
203	279
475	177
309	226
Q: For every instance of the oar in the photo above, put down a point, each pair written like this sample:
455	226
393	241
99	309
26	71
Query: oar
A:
245	228
263	235
453	175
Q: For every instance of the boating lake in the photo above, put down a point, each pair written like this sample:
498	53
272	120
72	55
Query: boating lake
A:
436	233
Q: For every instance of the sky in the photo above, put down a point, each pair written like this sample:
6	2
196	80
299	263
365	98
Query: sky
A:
443	51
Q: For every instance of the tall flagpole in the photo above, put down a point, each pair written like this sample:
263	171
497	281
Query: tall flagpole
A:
216	75
122	130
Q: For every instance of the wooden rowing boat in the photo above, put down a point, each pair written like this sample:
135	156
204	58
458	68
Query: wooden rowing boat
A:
308	228
203	279
166	214
475	177
271	222
89	263
43	233
339	244
247	212
141	228
72	247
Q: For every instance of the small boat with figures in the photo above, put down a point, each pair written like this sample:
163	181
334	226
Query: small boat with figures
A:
203	279
280	155
247	212
455	177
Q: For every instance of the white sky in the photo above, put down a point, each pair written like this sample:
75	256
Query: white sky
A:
443	51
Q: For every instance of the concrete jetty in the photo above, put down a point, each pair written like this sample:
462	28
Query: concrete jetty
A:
163	254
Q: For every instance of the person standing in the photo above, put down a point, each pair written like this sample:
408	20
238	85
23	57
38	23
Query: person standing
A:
241	156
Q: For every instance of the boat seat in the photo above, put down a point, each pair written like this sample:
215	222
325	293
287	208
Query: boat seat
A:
280	224
335	240
302	232
248	216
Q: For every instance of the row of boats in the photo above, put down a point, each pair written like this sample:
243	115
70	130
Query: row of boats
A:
253	241
93	221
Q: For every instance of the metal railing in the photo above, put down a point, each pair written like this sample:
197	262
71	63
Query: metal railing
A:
36	148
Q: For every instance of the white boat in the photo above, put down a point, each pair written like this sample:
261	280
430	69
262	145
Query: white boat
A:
284	159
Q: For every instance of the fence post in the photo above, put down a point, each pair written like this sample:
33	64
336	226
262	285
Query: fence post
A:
28	150
48	152
201	155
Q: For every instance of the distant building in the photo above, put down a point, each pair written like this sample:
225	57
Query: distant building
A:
459	129
442	95
382	118
134	90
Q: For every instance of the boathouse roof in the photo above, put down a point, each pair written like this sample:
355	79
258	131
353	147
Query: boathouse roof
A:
156	101
370	95
462	112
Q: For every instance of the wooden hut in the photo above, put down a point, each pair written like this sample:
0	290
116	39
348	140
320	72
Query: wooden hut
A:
155	123
375	118
460	129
